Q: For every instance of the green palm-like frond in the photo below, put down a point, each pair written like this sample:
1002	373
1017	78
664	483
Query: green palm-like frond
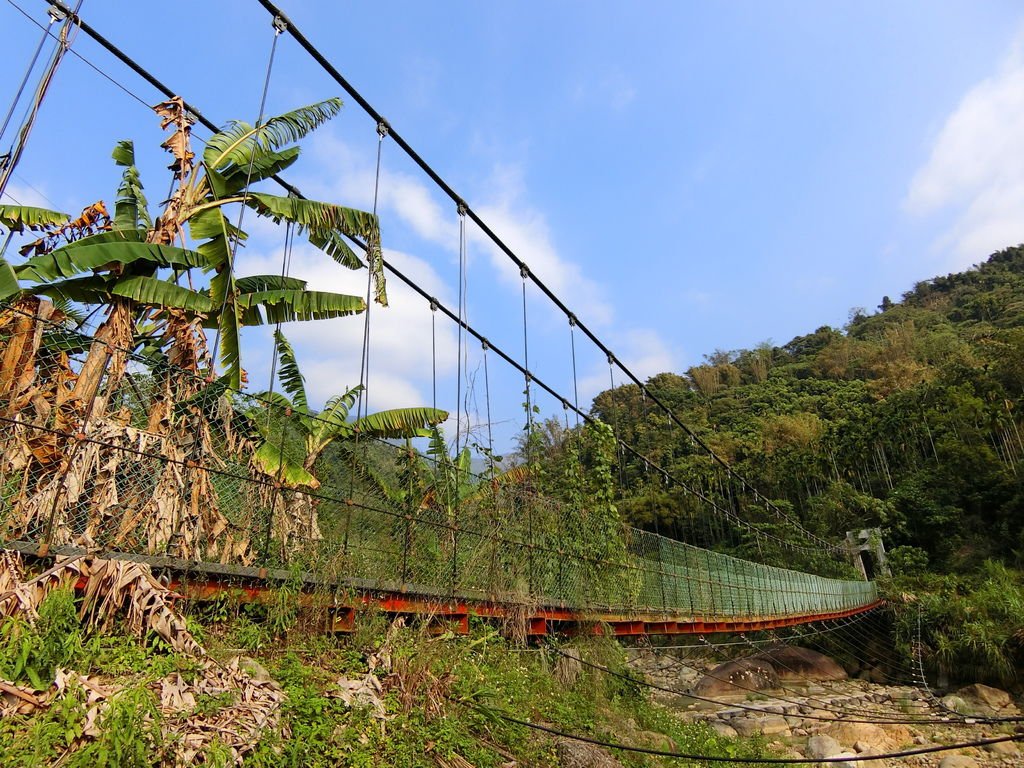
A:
332	422
318	217
327	223
258	283
235	145
64	340
18	218
272	459
400	422
264	165
228	319
131	209
337	409
290	305
437	449
292	380
105	250
334	245
161	293
210	224
8	280
71	313
91	289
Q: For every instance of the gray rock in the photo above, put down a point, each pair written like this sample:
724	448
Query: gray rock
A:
957	704
769	725
795	663
723	729
876	675
993	698
822	746
958	761
577	754
866	749
737	677
254	669
1003	749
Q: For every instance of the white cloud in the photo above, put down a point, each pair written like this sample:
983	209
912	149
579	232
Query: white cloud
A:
20	194
976	168
352	181
401	354
506	211
401	334
644	353
524	229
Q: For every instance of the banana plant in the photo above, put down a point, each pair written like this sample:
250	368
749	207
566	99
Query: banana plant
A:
16	219
118	262
294	435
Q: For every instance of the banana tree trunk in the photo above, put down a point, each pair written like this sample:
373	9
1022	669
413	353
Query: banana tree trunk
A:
107	354
22	325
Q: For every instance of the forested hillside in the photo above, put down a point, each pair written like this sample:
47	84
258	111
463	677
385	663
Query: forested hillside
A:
907	419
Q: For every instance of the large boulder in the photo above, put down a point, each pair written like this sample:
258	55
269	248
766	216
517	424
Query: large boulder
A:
986	698
822	746
768	670
738	677
794	663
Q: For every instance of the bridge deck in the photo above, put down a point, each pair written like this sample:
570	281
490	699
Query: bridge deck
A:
344	597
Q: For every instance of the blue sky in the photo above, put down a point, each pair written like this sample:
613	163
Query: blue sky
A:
687	176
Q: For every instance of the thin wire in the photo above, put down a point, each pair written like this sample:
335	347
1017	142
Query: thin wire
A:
487	390
28	74
233	245
575	378
615	415
286	260
433	350
527	376
460	324
62	46
362	403
363	398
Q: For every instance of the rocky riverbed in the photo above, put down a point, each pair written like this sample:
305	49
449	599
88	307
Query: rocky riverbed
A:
808	710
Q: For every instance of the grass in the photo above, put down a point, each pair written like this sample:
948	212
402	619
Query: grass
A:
443	696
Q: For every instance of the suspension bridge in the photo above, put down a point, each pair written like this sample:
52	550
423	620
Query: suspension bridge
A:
169	465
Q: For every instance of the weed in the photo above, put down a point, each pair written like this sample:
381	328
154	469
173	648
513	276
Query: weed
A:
248	634
130	735
32	653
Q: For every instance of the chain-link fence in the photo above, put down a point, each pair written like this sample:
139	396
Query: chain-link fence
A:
161	461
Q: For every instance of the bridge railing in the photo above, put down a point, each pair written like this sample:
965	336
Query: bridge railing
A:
167	465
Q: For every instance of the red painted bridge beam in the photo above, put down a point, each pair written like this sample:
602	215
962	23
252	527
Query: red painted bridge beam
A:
454	614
